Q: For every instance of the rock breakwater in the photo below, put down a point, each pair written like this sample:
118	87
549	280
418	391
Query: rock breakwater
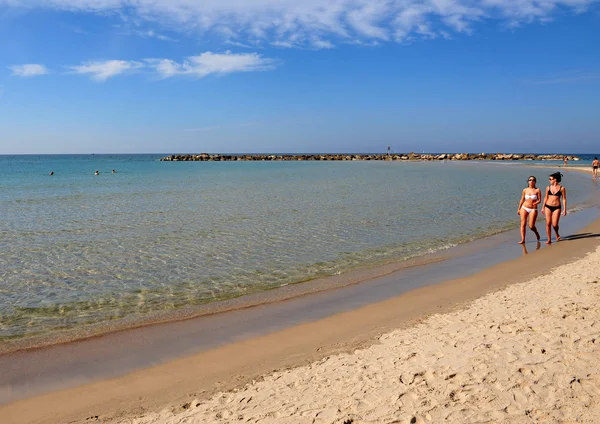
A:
350	157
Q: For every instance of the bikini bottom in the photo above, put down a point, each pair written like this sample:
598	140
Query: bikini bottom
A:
529	210
553	208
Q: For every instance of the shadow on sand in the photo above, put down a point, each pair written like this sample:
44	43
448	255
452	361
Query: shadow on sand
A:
579	236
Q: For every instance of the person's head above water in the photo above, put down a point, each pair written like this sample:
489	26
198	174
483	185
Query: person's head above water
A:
556	176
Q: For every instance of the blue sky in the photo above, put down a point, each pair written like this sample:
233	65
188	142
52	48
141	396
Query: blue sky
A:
172	76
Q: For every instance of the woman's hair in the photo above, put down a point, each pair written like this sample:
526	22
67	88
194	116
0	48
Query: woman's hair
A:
557	176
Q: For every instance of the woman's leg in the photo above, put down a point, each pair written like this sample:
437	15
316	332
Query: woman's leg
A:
555	219
532	218
523	213
548	214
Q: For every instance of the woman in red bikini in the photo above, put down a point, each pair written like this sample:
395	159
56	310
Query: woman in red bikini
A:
530	199
552	206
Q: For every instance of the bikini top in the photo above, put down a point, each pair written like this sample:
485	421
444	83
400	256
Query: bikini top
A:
531	196
558	193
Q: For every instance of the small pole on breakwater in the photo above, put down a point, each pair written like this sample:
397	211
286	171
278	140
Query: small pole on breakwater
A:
388	152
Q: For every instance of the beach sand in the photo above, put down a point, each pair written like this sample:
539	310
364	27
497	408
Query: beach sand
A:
528	353
518	342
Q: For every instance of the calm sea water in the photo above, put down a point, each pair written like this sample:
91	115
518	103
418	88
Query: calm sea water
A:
78	249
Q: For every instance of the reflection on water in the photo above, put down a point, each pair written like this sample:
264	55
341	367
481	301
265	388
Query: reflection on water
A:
538	244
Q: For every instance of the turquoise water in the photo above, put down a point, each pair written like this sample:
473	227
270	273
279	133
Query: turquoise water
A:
79	249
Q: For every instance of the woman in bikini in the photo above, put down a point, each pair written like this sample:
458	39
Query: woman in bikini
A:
552	207
530	199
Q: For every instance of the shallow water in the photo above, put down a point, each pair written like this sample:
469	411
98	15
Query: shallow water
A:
79	249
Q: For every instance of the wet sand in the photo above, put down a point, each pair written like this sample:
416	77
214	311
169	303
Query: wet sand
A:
194	359
529	353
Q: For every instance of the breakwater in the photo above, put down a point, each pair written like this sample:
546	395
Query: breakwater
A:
362	156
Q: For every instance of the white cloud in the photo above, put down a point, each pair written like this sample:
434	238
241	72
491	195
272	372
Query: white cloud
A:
101	71
153	34
28	70
212	63
294	23
322	44
148	34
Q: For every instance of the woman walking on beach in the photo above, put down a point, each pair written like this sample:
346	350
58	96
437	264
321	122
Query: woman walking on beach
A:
552	207
530	199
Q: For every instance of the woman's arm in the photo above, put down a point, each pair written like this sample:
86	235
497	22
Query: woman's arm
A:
539	198
564	197
521	202
545	198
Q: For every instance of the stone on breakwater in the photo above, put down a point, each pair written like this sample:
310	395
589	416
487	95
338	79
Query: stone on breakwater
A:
396	156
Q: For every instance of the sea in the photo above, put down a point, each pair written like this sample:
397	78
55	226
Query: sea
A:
79	250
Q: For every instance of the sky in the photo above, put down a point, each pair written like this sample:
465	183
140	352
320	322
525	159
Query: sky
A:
283	76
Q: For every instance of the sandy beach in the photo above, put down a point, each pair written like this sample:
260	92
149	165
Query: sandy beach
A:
299	212
528	353
516	342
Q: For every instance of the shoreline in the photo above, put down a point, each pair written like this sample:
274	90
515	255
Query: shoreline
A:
526	353
351	277
241	361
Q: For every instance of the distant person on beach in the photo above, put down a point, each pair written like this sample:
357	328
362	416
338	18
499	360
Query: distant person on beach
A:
595	165
531	197
552	205
566	161
96	173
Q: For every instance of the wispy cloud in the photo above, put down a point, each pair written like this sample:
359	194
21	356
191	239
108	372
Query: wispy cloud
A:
198	66
293	23
28	70
322	44
153	34
212	63
242	45
103	70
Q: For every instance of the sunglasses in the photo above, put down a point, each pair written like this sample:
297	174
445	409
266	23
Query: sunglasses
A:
551	179
531	180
